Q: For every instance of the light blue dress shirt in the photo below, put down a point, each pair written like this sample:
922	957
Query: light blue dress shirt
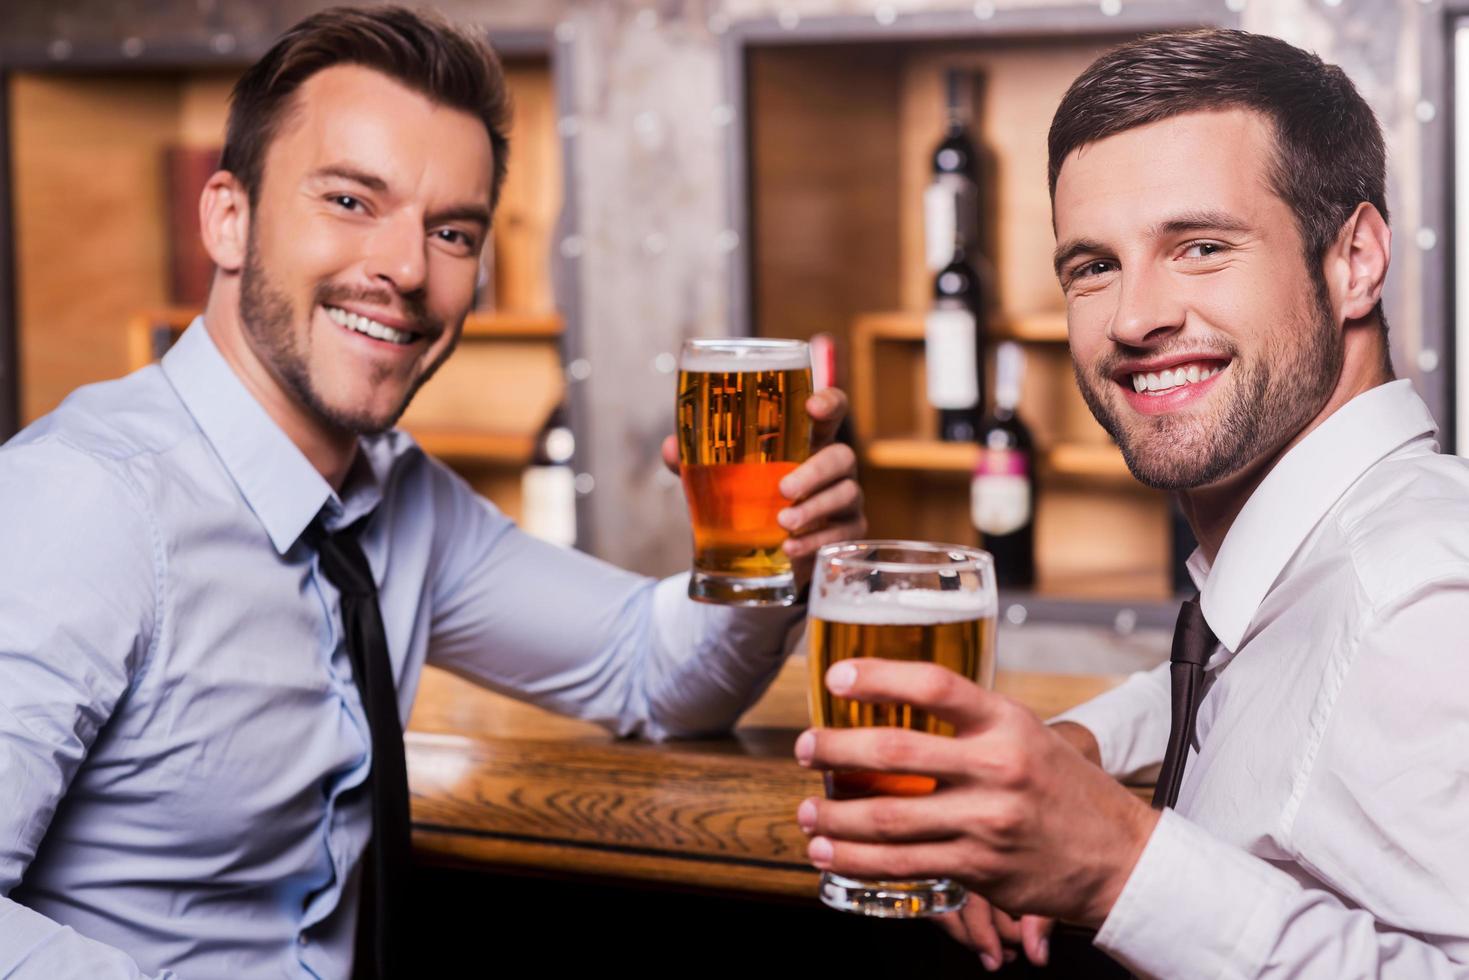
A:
179	728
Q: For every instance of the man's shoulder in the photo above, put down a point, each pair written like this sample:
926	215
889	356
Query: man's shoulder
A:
137	415
1406	524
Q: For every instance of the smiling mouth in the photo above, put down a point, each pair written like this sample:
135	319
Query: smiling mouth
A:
369	327
1171	379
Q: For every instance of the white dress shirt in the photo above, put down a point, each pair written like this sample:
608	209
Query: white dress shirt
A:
1323	825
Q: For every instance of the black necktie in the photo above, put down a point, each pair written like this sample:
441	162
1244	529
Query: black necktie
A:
386	863
1193	641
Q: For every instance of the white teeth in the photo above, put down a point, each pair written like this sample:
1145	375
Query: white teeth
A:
367	326
1170	378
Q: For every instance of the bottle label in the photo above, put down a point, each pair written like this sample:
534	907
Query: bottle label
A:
939	224
999	496
548	503
950	214
950	358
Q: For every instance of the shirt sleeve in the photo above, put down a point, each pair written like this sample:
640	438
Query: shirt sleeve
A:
77	610
1130	722
1378	833
572	633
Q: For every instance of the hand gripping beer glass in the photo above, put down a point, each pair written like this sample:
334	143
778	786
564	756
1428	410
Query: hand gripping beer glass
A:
742	426
900	600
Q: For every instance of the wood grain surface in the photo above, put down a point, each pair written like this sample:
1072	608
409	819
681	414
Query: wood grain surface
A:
502	785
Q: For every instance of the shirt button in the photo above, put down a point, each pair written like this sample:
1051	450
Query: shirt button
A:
301	939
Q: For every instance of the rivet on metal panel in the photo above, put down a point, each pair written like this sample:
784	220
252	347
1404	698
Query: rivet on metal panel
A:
1125	621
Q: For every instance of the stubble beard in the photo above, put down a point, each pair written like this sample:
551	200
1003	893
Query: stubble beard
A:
267	315
1267	401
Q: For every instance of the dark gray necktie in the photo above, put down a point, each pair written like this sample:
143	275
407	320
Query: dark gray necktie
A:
386	863
1193	641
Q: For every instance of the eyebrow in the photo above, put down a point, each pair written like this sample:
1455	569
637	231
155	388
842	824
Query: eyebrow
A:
1067	251
476	213
1207	219
343	172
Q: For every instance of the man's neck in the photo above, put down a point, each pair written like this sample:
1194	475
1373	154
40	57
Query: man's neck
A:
329	451
1211	510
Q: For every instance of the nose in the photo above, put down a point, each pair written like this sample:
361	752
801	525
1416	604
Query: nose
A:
397	254
1148	308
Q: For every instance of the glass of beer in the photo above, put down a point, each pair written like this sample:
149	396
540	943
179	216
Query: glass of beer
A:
742	426
900	600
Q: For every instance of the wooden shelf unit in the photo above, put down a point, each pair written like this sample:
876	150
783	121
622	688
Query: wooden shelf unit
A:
837	246
1077	461
88	153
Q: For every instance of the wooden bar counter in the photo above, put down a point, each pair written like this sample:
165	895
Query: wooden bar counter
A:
501	786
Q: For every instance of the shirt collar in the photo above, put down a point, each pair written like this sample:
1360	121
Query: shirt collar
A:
1293	498
278	483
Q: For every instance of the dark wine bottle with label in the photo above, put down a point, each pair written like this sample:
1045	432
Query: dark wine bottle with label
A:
954	349
951	200
1002	493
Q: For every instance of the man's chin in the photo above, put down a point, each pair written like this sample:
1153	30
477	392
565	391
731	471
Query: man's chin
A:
357	420
1175	465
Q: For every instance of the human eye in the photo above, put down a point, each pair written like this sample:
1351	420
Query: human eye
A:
459	240
1204	250
347	202
1090	270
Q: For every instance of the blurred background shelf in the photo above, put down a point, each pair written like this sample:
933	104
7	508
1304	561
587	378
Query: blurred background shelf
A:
1074	460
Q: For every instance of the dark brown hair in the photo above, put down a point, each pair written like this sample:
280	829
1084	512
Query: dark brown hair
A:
1329	153
448	64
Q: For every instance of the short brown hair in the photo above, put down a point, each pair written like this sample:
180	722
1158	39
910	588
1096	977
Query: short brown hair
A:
449	64
1329	154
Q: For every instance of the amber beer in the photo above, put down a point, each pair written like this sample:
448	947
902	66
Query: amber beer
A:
945	628
742	426
910	601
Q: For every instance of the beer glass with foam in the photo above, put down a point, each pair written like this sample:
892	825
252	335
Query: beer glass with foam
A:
900	600
742	426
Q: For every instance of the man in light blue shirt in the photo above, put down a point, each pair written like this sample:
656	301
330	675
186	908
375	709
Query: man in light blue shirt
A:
180	731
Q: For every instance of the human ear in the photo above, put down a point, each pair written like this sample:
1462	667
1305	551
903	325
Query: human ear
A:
1357	263
224	220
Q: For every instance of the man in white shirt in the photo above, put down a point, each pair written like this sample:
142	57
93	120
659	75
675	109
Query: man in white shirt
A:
1222	241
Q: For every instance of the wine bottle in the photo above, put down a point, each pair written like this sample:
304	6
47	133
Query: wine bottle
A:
548	484
951	200
1002	493
953	339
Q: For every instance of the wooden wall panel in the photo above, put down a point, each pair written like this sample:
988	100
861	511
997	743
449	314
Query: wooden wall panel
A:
824	168
90	242
204	107
530	200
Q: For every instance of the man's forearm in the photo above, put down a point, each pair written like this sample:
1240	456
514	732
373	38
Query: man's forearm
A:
33	946
1081	739
1253	920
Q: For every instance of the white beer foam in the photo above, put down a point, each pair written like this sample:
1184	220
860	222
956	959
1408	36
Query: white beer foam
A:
900	607
766	359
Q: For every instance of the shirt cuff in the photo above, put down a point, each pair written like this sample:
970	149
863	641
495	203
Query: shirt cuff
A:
1129	722
1195	906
